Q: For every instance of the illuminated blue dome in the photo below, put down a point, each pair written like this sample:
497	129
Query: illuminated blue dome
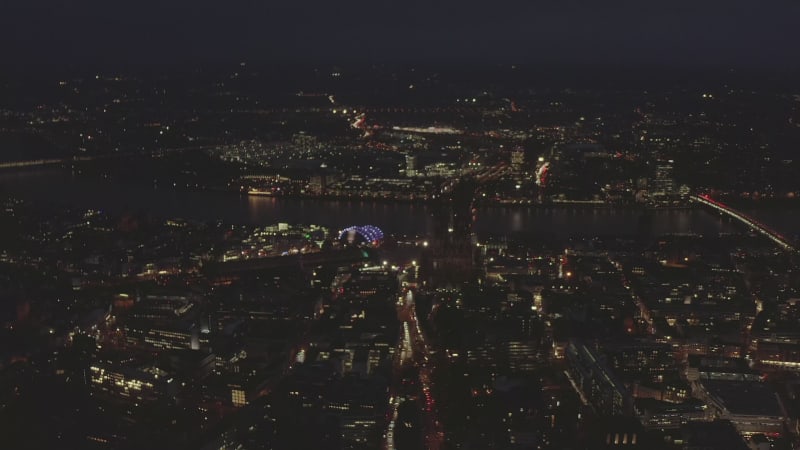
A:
361	233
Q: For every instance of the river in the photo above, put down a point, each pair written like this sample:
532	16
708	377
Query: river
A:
58	188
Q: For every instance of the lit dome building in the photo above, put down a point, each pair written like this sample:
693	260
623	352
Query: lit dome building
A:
361	234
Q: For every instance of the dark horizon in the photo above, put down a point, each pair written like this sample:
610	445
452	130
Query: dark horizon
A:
713	34
288	74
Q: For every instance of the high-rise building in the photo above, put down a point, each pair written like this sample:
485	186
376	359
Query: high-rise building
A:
517	160
180	335
318	184
597	381
244	389
664	183
145	383
355	405
411	166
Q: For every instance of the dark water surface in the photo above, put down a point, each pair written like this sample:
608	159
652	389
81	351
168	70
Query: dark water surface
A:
58	188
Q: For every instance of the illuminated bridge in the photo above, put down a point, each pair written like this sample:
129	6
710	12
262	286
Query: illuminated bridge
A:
773	235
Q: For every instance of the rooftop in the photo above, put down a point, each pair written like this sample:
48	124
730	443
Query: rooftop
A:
749	398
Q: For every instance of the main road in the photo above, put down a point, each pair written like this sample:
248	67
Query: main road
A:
413	351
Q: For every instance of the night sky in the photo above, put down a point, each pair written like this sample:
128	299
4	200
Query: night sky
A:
675	32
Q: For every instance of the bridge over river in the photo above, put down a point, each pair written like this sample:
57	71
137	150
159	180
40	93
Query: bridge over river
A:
754	224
